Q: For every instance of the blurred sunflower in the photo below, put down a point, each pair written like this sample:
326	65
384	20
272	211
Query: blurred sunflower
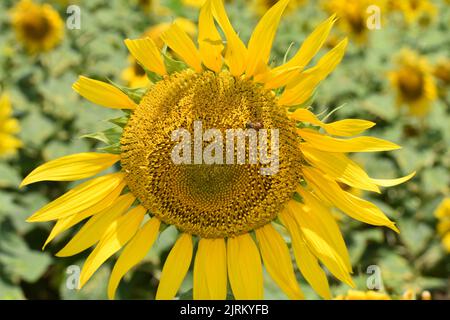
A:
38	26
422	11
353	16
225	207
363	295
375	295
443	214
154	7
135	75
261	6
411	294
414	83
198	3
8	127
441	71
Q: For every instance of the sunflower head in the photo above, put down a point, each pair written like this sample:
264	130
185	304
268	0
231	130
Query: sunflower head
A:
8	128
227	209
414	83
38	26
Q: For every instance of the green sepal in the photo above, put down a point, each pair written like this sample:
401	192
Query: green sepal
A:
134	94
297	197
113	148
121	121
172	65
152	76
109	136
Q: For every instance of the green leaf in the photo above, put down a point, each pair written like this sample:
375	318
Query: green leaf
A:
415	235
17	260
8	176
36	128
10	292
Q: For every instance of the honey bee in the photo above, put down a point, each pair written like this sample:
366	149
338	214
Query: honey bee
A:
254	125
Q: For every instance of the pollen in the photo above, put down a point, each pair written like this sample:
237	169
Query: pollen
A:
211	201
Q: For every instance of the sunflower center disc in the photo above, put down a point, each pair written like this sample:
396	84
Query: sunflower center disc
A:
208	200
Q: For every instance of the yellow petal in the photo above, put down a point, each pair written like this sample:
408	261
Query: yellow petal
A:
103	94
260	43
210	270
327	220
393	182
353	206
302	92
236	52
133	253
300	89
277	79
180	42
148	54
340	167
244	268
69	168
310	46
209	39
319	241
322	142
277	261
93	230
65	223
343	128
81	198
306	261
328	62
175	268
117	235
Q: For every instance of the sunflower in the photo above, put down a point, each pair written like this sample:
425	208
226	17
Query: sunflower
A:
261	6
134	74
363	295
422	11
37	26
414	83
353	16
443	214
8	127
231	214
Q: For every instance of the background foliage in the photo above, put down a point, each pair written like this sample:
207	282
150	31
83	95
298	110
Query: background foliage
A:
53	117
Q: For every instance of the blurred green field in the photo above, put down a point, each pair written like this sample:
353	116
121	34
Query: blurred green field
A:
52	119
